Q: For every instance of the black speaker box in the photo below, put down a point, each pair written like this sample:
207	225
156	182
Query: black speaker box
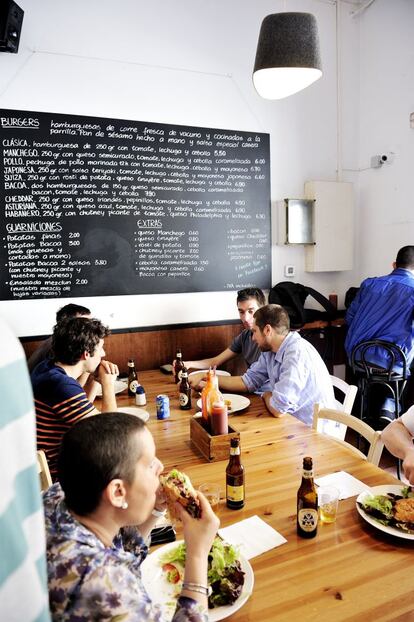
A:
11	19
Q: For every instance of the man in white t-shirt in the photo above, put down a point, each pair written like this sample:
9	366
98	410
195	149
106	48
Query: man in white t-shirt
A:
398	439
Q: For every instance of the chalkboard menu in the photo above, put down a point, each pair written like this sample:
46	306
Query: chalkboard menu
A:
98	207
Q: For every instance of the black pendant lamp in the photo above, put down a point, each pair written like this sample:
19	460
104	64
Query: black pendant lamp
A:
287	57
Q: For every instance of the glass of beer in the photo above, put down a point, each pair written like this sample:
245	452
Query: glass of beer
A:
212	494
328	497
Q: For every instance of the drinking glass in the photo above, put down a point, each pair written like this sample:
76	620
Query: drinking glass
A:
328	497
212	494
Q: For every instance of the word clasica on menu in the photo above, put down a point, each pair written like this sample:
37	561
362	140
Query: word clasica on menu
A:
94	206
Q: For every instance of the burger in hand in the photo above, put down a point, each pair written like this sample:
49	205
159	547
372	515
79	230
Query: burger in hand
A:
177	487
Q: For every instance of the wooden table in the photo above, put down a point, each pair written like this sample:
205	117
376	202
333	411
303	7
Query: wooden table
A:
350	571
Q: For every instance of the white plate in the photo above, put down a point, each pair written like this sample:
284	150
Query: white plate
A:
136	411
238	402
162	592
382	490
120	385
219	372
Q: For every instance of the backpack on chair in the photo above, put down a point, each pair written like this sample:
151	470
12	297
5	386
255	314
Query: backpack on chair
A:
292	297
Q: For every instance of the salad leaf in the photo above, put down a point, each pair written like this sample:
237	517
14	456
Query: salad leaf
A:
176	554
381	503
222	555
225	575
383	508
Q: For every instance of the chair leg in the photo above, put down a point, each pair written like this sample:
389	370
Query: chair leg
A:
397	414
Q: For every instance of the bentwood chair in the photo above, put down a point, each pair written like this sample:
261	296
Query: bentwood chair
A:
373	437
393	376
43	470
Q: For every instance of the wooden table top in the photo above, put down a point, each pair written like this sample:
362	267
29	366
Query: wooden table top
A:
350	571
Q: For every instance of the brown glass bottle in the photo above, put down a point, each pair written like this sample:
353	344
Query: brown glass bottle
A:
132	378
307	503
235	477
185	391
178	366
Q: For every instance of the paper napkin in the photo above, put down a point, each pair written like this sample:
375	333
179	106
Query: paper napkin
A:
347	485
253	536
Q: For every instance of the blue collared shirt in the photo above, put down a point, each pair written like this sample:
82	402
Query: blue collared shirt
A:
297	375
383	309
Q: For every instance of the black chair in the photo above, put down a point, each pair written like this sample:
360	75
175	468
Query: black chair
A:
393	376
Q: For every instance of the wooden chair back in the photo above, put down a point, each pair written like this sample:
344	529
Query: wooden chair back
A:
43	470
373	437
349	391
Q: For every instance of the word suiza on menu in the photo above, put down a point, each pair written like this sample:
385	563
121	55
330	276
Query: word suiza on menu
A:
94	206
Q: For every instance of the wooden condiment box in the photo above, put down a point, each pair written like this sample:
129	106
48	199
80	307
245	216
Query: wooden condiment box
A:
211	447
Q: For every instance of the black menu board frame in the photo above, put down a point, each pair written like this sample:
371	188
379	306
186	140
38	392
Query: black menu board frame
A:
93	206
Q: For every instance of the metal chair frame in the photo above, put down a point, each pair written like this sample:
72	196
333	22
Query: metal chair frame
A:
369	374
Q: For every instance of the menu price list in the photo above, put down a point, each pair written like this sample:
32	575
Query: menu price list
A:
95	206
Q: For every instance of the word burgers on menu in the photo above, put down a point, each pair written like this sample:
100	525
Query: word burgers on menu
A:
94	206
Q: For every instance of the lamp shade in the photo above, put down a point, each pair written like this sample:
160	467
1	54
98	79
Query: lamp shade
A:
287	56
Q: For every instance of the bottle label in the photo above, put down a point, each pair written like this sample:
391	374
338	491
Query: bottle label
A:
308	519
183	399
235	493
234	451
307	474
133	386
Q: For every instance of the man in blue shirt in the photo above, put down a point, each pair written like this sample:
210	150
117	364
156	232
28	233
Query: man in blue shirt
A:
384	309
297	375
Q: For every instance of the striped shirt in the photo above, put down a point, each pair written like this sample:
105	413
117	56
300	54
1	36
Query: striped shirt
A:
60	401
23	585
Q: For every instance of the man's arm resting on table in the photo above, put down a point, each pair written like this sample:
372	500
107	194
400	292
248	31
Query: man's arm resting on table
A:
399	441
266	398
232	383
218	360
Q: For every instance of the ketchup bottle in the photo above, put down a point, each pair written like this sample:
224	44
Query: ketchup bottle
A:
219	419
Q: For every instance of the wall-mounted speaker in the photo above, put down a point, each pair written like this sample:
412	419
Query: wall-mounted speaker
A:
11	19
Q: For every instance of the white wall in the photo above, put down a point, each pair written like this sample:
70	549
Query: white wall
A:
386	101
190	62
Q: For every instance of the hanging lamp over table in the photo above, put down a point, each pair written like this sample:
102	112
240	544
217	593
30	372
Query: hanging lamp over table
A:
287	57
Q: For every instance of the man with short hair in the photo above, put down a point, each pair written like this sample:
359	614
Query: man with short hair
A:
297	376
44	350
384	309
60	400
248	301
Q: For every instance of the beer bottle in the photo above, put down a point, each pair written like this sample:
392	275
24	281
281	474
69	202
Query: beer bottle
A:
235	477
307	503
185	391
178	366
132	378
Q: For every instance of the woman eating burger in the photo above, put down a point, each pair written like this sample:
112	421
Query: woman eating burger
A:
109	479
